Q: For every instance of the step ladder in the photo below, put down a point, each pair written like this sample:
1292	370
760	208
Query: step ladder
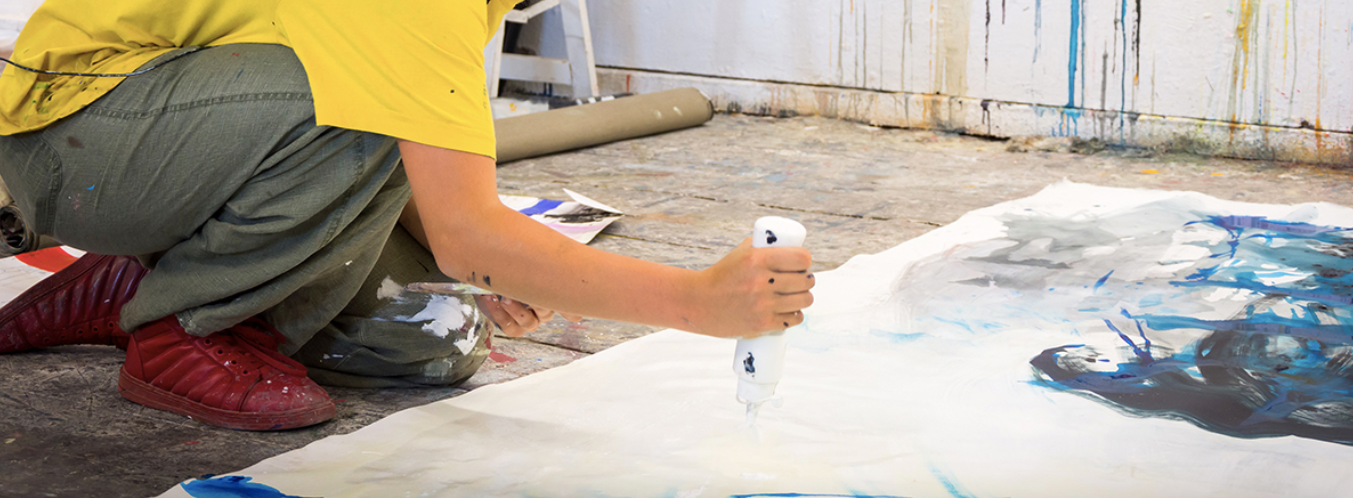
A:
578	72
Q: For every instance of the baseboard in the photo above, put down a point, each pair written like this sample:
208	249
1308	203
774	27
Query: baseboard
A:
998	119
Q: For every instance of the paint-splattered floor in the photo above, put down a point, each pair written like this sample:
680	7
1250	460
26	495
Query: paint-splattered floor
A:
691	196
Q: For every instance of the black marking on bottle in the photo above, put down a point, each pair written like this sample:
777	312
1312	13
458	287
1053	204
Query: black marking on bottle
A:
749	364
770	237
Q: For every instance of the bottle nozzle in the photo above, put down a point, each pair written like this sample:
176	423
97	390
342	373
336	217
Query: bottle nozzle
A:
752	392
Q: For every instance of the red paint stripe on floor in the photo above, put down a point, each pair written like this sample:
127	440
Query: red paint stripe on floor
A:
51	259
501	358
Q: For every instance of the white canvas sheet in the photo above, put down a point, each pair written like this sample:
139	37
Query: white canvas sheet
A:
911	377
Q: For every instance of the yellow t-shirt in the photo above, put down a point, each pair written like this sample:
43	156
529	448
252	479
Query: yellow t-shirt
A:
411	69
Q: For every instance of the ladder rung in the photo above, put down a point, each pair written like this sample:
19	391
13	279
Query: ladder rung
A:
521	16
533	68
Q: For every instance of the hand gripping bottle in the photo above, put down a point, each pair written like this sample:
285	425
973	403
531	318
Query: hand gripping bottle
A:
759	361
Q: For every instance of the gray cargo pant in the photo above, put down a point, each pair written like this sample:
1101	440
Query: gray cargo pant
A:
211	170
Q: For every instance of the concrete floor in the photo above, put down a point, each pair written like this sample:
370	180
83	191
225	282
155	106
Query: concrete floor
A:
690	196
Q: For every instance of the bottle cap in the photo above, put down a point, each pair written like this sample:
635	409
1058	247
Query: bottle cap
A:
775	231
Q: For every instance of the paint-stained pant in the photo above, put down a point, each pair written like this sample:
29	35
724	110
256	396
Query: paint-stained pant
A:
212	171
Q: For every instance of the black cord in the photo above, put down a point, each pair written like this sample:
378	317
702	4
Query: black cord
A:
123	75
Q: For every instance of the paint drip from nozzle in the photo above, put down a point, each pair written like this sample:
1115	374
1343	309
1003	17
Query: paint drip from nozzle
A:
759	362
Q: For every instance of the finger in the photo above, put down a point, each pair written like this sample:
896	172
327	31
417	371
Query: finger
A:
787	320
494	307
793	302
523	315
542	315
791	283
788	259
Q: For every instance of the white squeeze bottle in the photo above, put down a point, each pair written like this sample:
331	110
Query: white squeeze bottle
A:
759	362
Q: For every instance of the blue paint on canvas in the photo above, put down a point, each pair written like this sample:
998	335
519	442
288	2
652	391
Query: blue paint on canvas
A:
811	495
231	487
1100	283
950	484
897	337
1282	366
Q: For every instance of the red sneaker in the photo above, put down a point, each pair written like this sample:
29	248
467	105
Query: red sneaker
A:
234	378
78	305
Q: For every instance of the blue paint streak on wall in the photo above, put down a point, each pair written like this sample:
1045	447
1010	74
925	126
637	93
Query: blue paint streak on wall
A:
541	207
1070	123
1075	53
230	487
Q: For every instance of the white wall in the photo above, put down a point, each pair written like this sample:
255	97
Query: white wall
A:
13	14
1270	63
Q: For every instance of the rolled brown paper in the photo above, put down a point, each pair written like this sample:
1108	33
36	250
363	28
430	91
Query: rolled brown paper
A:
579	126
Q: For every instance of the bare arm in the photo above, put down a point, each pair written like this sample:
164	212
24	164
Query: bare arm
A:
475	238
